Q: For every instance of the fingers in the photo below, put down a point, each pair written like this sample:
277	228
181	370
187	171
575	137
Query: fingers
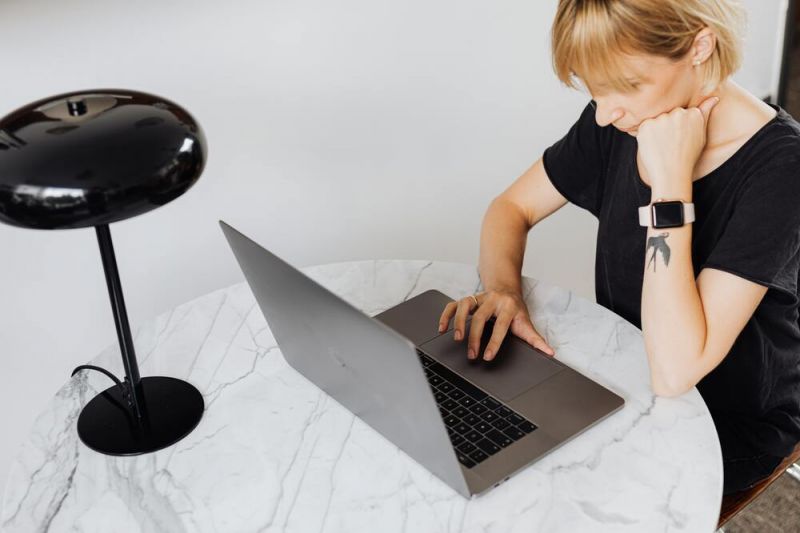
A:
447	314
537	341
475	333
464	307
511	315
707	105
498	334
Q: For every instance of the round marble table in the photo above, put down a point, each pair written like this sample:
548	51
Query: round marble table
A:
274	453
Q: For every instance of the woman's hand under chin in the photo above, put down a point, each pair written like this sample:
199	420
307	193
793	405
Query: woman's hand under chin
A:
671	143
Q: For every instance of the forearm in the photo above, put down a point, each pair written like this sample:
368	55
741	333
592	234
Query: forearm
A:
504	233
673	322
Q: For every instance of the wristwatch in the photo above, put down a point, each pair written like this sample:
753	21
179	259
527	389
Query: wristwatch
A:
666	214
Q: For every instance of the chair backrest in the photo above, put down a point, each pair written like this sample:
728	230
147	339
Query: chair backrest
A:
733	503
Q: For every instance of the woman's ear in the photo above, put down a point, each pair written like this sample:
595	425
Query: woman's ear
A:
704	43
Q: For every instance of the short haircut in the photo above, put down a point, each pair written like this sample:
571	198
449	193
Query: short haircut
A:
588	37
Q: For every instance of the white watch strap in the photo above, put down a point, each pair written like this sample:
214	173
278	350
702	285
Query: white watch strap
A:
645	218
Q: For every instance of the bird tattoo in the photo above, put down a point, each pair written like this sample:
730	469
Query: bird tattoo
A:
658	243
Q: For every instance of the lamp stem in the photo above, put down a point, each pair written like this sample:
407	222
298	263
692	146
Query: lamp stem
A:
120	314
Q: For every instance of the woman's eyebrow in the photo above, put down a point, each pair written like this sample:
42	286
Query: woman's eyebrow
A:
626	78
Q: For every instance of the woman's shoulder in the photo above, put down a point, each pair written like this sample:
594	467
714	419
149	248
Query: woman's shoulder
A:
780	137
776	145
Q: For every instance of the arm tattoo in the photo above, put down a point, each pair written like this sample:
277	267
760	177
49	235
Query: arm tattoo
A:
658	243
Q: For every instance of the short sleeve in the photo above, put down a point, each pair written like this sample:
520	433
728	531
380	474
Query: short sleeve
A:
761	240
576	164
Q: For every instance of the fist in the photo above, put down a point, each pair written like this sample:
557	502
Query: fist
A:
670	144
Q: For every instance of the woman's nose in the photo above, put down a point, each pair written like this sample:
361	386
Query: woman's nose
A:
605	115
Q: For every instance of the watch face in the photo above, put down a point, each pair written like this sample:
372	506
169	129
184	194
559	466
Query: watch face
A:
667	214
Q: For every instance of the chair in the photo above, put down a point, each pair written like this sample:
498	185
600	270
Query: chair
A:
733	503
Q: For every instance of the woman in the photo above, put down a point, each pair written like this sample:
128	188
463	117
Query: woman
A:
716	298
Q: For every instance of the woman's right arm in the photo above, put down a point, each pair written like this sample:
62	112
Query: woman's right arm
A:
504	231
506	224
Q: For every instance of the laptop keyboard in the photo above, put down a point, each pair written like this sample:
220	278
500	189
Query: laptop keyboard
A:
479	425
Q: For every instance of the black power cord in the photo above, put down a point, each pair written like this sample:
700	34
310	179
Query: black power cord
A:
124	387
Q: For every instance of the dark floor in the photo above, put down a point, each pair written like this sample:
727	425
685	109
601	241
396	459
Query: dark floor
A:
776	510
778	507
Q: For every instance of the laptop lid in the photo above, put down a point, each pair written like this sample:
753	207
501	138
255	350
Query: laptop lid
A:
363	364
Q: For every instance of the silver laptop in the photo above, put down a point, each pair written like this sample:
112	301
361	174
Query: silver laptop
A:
472	423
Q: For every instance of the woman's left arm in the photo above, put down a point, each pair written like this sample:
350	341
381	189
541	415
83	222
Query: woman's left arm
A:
689	325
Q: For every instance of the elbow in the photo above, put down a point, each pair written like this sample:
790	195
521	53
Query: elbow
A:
669	388
669	392
672	380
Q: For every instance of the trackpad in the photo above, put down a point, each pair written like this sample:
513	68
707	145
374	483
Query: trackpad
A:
516	367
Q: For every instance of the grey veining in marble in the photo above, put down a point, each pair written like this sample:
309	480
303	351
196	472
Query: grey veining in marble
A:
274	453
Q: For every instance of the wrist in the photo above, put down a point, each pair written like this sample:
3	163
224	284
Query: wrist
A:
506	289
661	194
666	213
677	186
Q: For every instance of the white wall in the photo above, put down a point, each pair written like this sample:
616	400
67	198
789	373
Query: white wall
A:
337	130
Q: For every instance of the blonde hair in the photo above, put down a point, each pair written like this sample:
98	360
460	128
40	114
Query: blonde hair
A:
589	37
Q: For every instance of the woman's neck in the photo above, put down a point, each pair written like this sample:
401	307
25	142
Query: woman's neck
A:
738	114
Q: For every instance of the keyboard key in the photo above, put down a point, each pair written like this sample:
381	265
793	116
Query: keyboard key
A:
456	394
501	423
490	416
459	382
467	401
444	411
478	456
514	418
491	403
461	428
466	447
482	427
513	433
434	380
498	438
474	436
465	460
440	396
527	427
449	403
445	387
488	446
456	440
479	409
452	420
471	419
460	412
503	411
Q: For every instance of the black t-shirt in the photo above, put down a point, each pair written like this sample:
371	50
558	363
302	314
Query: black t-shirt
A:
747	223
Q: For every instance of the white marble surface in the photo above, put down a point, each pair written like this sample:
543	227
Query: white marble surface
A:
274	453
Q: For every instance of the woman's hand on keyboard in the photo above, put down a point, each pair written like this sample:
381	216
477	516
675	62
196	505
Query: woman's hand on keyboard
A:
511	312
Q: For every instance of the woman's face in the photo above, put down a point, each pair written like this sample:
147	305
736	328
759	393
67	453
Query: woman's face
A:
661	86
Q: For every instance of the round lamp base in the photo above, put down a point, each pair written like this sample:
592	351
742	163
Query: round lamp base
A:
171	409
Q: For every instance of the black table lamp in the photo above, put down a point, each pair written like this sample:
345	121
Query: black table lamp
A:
90	158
